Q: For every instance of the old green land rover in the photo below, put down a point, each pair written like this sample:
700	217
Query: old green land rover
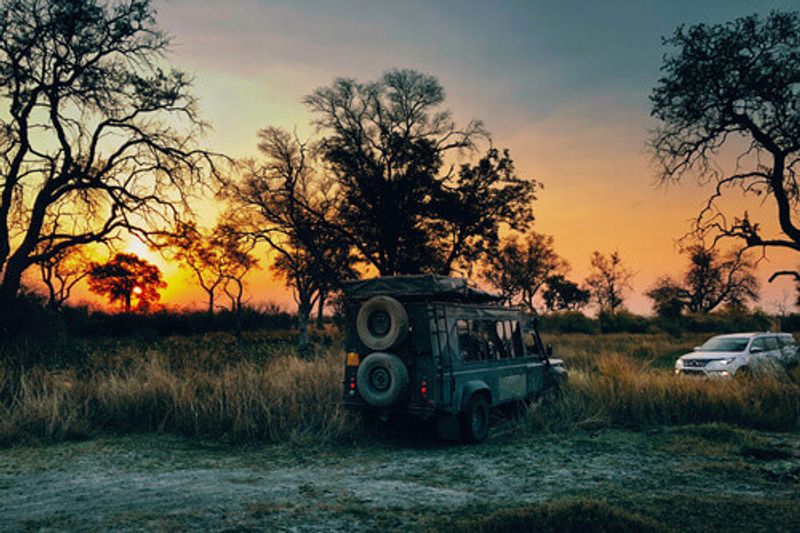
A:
436	348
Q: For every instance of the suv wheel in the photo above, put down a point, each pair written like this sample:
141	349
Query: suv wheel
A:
475	419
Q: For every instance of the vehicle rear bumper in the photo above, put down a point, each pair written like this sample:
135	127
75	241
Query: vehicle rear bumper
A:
413	410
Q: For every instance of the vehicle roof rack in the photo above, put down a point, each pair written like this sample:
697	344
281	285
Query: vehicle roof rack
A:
418	287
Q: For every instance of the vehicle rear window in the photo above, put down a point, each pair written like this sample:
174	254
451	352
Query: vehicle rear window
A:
725	344
786	340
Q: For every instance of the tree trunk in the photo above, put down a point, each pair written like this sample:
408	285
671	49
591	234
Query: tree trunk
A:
210	302
10	285
303	344
128	303
321	311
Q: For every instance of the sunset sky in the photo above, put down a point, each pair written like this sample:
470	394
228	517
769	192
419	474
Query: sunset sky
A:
564	85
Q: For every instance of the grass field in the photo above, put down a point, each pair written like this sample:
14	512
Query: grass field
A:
214	433
256	389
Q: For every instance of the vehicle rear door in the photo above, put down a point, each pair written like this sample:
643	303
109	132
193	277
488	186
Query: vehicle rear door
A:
758	350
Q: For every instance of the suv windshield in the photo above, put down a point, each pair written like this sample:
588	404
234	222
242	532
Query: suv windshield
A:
725	344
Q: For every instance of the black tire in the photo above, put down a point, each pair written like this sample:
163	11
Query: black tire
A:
382	379
475	419
382	323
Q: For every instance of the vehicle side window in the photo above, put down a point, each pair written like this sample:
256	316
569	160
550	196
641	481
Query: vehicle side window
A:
759	343
772	343
513	350
504	337
468	343
497	347
786	341
477	340
516	339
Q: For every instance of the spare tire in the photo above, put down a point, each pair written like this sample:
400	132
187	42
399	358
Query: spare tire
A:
382	323
382	379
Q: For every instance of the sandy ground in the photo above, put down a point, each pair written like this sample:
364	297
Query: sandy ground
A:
160	482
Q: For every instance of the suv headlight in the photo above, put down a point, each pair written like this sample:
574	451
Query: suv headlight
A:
724	362
679	363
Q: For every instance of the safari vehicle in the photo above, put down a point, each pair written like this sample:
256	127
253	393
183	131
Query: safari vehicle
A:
436	348
738	354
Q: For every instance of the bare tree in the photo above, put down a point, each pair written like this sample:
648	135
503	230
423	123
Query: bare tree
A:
723	84
61	272
520	268
95	132
608	281
281	201
217	259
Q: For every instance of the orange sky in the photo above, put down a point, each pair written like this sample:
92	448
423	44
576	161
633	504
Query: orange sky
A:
574	114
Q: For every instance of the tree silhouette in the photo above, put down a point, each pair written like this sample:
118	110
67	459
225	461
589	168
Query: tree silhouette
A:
708	283
97	130
385	143
217	259
608	281
561	294
124	277
722	84
61	272
520	268
669	298
281	201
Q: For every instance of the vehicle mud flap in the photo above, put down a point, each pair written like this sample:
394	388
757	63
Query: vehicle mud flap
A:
448	428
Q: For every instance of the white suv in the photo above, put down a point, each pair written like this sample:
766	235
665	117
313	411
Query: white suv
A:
725	355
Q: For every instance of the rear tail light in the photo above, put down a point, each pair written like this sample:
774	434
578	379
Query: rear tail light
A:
423	389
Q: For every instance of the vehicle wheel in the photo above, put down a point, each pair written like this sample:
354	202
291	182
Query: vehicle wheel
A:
382	322
475	419
382	379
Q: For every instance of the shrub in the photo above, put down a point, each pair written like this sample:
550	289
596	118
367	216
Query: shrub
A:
623	322
569	322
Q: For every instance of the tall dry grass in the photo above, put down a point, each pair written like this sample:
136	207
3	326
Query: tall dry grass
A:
282	397
622	391
256	388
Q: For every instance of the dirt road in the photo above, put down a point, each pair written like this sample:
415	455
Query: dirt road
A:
159	482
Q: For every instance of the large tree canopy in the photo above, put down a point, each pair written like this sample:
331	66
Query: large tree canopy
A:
125	277
724	84
404	207
96	132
